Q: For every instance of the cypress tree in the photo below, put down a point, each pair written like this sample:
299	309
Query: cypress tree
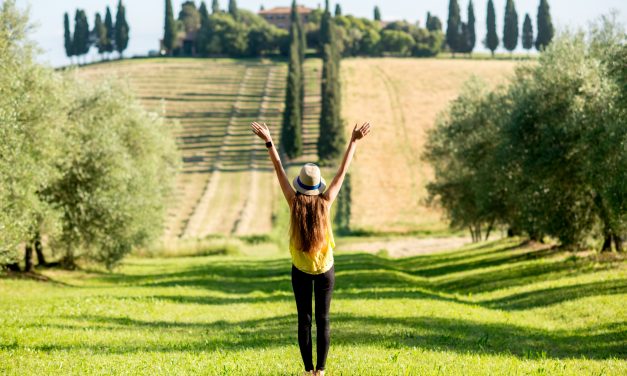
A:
453	27
325	27
377	13
338	10
331	139
81	33
121	29
527	33
100	33
233	9
492	38
67	36
471	37
169	32
545	26
301	41
510	26
215	7
110	31
291	130
202	37
433	23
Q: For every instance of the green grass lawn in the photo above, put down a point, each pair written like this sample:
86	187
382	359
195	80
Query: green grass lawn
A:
487	309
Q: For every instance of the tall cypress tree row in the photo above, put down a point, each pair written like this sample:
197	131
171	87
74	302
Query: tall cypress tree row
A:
215	7
453	27
471	37
67	36
169	32
110	31
291	130
233	9
510	27
527	33
492	38
545	26
331	140
121	29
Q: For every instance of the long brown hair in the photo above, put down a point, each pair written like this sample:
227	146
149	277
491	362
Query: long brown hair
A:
308	222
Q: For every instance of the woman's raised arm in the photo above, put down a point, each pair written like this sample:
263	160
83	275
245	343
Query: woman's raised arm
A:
334	188
264	133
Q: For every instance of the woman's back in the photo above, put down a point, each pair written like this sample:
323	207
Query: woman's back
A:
316	262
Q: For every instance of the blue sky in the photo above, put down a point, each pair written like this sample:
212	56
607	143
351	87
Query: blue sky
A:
146	16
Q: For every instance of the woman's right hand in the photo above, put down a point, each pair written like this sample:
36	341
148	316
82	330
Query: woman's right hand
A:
261	130
360	133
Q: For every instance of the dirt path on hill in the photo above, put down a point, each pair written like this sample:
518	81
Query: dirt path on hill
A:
403	247
243	224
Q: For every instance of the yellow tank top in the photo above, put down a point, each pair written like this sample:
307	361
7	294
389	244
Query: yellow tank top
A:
318	263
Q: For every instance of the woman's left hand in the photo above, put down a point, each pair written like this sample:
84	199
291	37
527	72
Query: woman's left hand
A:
262	131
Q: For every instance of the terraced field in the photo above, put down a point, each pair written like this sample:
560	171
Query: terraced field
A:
227	185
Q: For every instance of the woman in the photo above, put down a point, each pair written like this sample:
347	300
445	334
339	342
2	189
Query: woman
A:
311	242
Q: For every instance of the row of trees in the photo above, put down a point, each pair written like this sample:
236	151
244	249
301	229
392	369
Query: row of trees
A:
545	154
105	36
82	167
292	125
461	36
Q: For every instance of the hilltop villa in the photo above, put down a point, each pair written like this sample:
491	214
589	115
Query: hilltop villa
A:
280	16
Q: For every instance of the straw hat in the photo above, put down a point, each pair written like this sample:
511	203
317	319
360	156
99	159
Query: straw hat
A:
309	181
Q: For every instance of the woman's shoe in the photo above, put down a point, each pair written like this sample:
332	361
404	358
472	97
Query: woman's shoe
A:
319	372
309	373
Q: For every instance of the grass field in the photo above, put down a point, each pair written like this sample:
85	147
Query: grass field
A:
227	186
402	98
488	309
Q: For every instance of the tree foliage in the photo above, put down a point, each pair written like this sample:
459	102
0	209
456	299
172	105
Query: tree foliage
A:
377	13
291	130
121	29
68	43
527	33
543	155
545	26
453	26
83	164
492	39
510	26
169	32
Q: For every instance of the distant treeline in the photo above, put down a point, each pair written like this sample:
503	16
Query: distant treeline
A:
105	35
545	154
239	33
83	168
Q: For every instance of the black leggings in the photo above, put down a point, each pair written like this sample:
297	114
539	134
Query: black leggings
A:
323	287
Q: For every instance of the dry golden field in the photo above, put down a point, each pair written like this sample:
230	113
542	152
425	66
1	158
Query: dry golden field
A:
227	185
401	98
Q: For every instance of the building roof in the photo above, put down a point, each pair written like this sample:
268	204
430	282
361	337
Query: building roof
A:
286	10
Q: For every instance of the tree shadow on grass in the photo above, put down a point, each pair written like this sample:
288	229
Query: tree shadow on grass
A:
366	276
431	333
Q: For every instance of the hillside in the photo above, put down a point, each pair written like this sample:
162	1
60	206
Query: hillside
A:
401	98
227	184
